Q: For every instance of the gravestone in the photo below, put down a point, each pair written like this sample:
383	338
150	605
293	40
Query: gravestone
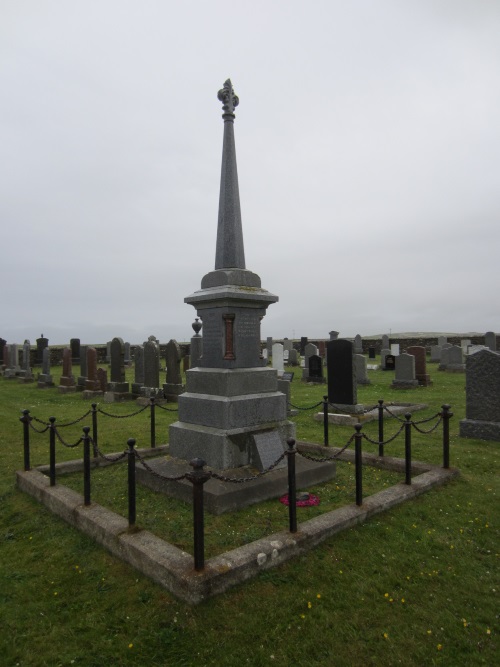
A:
386	345
384	353
490	340
464	344
287	345
358	344
67	382
92	384
173	385
405	372
293	357
269	346
6	356
74	344
436	353
342	384
482	396
45	379
196	347
3	342
126	353
455	362
371	352
361	369
303	343
418	351
395	349
284	385
268	449
278	360
309	350
151	372
322	348
41	344
333	335
442	340
25	374
82	378
108	352
445	354
102	381
315	369
13	368
476	348
390	362
138	370
118	386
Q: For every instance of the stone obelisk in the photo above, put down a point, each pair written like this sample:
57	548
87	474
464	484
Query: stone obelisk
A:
232	399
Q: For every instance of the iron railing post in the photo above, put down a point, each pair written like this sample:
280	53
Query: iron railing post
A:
131	482
325	420
358	460
86	465
446	415
25	419
292	488
52	451
380	426
153	422
198	477
94	430
408	448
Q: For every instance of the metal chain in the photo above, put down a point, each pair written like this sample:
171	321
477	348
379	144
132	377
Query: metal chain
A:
385	442
166	409
157	474
393	416
429	419
427	431
328	458
132	414
296	407
112	459
38	430
240	480
35	419
65	443
76	420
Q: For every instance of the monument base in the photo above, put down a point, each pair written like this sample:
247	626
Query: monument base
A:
220	497
89	394
482	430
172	391
117	396
404	384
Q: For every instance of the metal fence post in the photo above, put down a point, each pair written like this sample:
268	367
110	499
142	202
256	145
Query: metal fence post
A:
25	419
131	482
380	426
52	451
408	448
153	422
292	489
358	459
198	477
325	420
86	465
94	430
446	415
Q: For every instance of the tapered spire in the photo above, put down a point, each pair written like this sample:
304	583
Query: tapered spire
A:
230	252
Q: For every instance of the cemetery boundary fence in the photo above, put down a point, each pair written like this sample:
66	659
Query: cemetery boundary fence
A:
199	475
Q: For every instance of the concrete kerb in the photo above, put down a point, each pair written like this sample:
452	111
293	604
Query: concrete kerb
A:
173	568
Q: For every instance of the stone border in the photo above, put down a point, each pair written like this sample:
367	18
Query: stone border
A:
173	568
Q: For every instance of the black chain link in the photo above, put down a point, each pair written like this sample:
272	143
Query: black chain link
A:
132	414
111	459
296	407
385	442
76	420
427	431
38	430
157	474
65	443
328	458
166	409
240	480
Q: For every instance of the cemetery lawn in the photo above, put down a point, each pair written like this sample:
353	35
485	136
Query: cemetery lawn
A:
417	585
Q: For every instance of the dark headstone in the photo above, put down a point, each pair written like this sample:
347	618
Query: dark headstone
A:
315	368
420	355
482	396
342	385
371	353
151	369
41	344
390	363
303	343
91	383
74	344
268	448
67	381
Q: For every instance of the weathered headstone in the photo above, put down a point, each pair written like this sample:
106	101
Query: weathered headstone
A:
45	378
74	344
361	369
151	372
342	384
102	381
442	340
395	349
278	360
173	385
303	343
384	353
455	362
13	368
41	344
358	344
390	362
315	369
293	358
138	370
287	344
482	396
127	360
108	352
436	353
82	378
269	346
117	384
92	384
418	351
67	382
386	344
405	372
490	340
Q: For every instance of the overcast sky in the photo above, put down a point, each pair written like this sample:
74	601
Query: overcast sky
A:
368	148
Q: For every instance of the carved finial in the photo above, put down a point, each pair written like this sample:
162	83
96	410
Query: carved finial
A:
229	100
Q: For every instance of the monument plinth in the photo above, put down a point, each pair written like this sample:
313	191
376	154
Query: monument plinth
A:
230	396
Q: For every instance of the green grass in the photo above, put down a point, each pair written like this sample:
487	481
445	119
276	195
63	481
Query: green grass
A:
66	601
